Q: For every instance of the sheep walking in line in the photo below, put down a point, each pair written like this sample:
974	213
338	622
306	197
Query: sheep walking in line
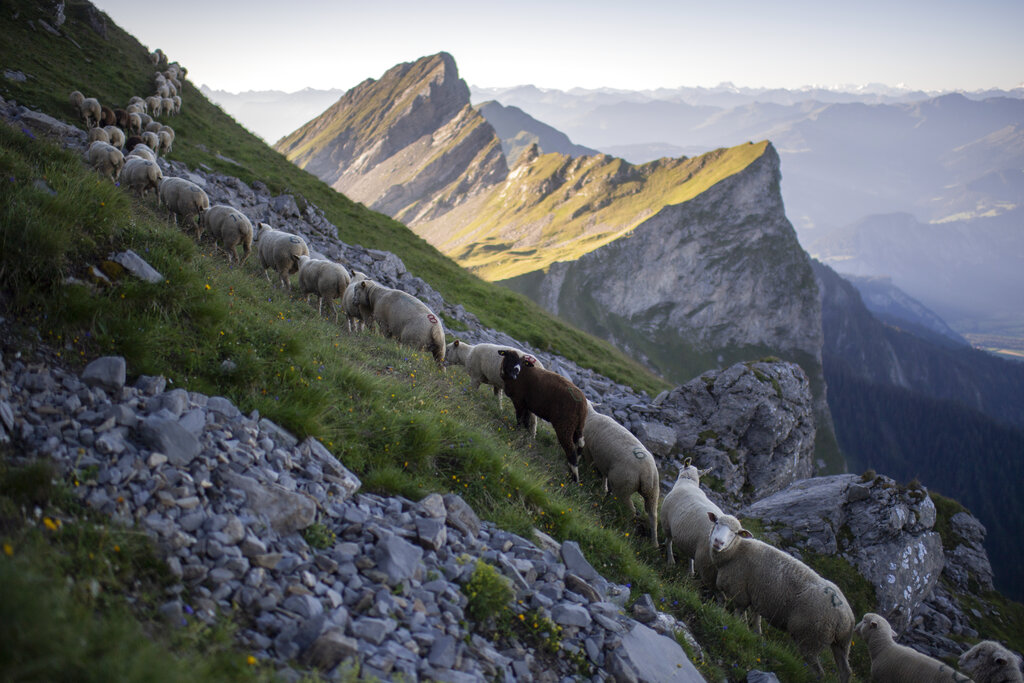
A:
76	99
627	467
895	663
783	590
107	116
358	316
105	158
327	279
184	199
90	112
550	397
684	515
404	317
280	251
99	134
482	363
114	135
990	662
141	175
152	141
140	150
229	227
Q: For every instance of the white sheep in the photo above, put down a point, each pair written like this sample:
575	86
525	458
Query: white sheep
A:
482	363
105	158
990	662
142	150
165	140
279	250
166	105
229	227
146	119
141	175
90	111
358	316
895	663
134	122
98	134
177	103
76	98
153	105
153	127
115	135
404	317
626	466
185	199
164	128
684	516
136	101
783	590
152	141
327	279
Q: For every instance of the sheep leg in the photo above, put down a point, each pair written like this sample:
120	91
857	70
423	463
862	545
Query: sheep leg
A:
671	557
841	653
568	445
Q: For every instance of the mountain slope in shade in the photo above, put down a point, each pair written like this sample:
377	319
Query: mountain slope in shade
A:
517	131
893	306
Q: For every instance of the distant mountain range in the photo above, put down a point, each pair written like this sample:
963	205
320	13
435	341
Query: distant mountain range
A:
272	114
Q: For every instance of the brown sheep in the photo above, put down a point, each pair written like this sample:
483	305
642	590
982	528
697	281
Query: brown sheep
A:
550	397
107	117
122	118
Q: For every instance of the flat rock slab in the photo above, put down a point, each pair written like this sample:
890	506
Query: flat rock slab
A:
107	373
655	657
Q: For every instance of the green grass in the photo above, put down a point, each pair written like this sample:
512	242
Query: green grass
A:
403	425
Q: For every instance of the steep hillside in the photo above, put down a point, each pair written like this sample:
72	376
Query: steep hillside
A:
517	131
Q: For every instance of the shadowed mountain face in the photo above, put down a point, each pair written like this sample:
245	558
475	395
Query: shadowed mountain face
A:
518	131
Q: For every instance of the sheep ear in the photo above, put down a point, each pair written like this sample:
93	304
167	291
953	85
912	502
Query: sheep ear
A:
687	461
712	516
456	343
501	352
874	624
529	360
1001	661
744	533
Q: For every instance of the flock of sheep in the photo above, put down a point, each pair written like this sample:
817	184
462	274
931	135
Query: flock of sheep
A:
745	572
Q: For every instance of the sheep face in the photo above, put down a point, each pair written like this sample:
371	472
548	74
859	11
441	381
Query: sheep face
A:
870	624
725	533
512	363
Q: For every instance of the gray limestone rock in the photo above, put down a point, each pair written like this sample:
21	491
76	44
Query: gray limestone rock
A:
170	438
107	373
137	266
397	558
287	511
461	516
330	648
655	657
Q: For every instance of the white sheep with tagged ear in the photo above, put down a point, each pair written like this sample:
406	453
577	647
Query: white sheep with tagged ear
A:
626	466
279	250
105	158
895	663
684	516
358	315
990	662
482	363
404	317
141	175
783	590
229	227
327	279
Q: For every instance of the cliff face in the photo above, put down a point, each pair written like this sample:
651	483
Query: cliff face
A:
407	145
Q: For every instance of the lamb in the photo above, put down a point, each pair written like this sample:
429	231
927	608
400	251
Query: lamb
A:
153	127
90	111
146	120
105	158
624	463
358	315
895	663
483	364
684	516
550	397
115	136
141	150
404	317
141	175
990	662
186	199
165	140
280	251
229	228
135	100
783	590
327	279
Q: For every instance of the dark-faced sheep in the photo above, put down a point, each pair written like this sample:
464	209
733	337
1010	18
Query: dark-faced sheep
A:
550	397
783	590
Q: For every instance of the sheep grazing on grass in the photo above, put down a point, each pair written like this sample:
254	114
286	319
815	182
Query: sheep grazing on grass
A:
166	106
105	158
152	141
146	120
184	199
115	135
482	363
141	175
684	515
358	316
76	98
327	279
550	397
229	227
134	123
153	127
894	663
165	140
99	134
627	467
403	317
783	590
90	111
280	251
990	662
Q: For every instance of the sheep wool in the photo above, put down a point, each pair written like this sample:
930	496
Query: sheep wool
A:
105	158
895	663
990	662
280	251
684	515
783	590
404	317
627	467
141	175
229	228
184	199
358	316
327	279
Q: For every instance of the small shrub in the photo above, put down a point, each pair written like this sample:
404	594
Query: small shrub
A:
488	592
869	476
318	536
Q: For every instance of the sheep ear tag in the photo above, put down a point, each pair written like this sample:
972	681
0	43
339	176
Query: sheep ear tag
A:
745	534
530	360
501	352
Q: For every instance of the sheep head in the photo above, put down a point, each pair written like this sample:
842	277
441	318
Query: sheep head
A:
726	533
513	363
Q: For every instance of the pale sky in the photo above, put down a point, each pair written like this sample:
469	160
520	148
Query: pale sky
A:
292	44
